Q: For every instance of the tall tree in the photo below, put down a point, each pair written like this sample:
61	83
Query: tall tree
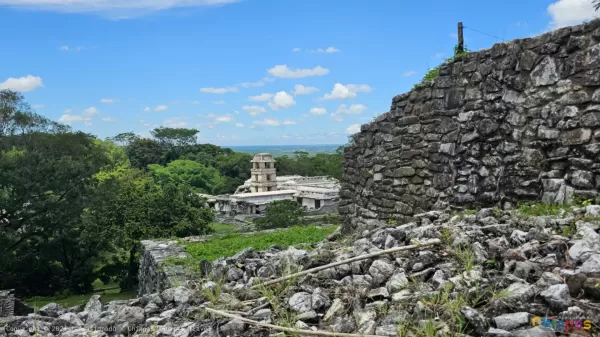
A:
143	152
175	136
124	139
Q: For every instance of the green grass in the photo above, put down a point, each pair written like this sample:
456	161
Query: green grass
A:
221	227
108	292
233	243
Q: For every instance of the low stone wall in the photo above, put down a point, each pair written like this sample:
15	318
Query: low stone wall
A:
7	303
153	275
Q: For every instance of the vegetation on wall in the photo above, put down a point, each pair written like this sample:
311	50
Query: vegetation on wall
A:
434	73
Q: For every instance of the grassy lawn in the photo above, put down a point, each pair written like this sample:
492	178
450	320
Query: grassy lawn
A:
109	293
221	227
233	243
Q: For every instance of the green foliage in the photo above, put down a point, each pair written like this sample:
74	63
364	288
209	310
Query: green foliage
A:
202	179
143	152
281	213
433	73
233	243
540	209
466	257
175	136
221	227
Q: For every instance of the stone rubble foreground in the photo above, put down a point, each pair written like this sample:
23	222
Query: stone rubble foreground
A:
515	268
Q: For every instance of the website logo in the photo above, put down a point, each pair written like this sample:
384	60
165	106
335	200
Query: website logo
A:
567	326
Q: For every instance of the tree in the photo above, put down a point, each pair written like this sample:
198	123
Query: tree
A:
171	137
134	207
143	152
597	4
124	139
201	178
16	116
281	213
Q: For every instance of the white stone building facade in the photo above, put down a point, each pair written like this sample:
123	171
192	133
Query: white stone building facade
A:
314	193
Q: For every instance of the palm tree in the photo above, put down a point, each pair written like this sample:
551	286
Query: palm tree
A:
597	4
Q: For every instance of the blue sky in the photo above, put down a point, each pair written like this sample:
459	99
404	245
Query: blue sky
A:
249	72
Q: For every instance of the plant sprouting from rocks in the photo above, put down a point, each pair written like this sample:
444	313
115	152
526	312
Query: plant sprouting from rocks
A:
466	257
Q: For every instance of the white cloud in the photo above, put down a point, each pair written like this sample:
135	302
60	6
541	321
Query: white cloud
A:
22	84
283	71
69	48
254	110
219	102
114	8
218	90
268	79
195	102
352	129
348	91
147	109
108	100
239	125
332	50
318	111
252	84
109	119
38	106
161	108
236	112
268	122
571	12
289	122
176	122
299	89
224	119
409	73
85	117
144	123
354	109
296	50
260	98
328	50
282	100
336	117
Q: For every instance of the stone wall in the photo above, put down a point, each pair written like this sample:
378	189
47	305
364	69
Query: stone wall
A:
154	275
519	121
7	303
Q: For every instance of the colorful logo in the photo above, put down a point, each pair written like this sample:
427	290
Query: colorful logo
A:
558	325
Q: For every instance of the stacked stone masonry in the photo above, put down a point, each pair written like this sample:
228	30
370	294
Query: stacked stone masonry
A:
7	303
519	121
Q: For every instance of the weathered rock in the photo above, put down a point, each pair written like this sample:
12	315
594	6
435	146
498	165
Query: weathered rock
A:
557	296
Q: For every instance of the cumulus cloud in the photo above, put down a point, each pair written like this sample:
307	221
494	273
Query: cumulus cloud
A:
147	109
282	100
22	84
283	71
347	91
161	108
352	129
224	119
219	102
144	123
299	89
318	111
268	122
85	117
108	100
218	90
354	109
571	12
254	110
239	125
176	122
113	8
252	84
289	122
260	98
109	119
336	117
409	73
195	102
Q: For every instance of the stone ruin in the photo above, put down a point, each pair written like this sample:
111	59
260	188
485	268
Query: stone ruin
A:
519	121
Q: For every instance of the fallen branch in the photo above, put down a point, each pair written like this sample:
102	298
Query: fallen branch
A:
284	329
339	263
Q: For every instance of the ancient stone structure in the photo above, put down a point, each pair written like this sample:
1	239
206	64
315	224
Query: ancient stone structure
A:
263	173
317	194
519	121
7	303
153	275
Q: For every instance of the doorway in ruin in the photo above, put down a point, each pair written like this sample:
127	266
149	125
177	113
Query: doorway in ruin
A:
317	204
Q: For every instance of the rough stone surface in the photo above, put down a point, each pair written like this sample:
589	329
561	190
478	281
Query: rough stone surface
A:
495	126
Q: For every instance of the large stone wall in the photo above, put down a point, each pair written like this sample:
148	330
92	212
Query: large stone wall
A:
519	121
7	303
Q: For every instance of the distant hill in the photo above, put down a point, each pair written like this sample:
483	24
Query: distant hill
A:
280	150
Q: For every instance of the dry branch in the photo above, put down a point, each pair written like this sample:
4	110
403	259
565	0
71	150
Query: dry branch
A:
284	329
356	258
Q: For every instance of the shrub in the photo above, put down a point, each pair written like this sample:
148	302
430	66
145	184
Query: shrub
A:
281	213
